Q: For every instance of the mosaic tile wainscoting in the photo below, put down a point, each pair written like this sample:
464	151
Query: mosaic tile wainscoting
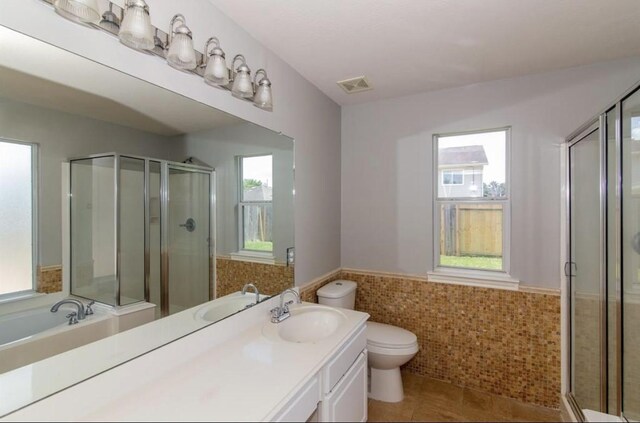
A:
498	341
233	274
49	279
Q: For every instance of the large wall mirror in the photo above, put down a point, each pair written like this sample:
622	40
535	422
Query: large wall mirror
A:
152	207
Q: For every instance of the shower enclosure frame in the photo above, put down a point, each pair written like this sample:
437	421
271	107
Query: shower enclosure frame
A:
583	132
165	166
611	308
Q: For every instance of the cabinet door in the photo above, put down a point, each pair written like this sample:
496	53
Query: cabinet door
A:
347	402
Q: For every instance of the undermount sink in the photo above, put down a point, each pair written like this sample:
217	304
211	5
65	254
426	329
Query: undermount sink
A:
307	324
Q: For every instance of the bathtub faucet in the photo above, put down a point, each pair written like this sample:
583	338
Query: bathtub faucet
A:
78	304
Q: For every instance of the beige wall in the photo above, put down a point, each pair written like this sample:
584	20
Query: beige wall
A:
387	209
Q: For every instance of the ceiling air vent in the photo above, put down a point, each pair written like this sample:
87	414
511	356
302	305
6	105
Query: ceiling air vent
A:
355	85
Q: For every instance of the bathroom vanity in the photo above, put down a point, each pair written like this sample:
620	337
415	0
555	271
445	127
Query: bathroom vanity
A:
312	365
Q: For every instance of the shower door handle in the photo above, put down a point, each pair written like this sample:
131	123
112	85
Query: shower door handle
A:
569	268
189	225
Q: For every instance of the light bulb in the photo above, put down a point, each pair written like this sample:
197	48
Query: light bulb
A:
264	96
136	31
181	54
215	72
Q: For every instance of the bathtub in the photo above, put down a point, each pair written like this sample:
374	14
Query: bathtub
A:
32	335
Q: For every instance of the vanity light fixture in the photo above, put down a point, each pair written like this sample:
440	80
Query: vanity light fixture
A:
110	21
263	97
136	30
216	72
242	86
79	11
133	28
181	54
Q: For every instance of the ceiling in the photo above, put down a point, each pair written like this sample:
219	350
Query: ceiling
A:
37	73
409	46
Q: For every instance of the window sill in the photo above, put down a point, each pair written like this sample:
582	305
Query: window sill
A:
253	257
484	279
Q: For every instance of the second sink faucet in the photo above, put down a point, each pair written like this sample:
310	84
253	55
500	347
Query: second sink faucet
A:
281	313
255	289
81	312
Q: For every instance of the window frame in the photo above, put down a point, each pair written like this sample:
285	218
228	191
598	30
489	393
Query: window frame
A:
242	204
467	274
35	186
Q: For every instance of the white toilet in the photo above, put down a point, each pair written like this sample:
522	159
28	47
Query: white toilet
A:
389	346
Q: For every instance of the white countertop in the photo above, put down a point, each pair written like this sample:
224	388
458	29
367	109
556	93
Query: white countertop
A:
227	372
35	381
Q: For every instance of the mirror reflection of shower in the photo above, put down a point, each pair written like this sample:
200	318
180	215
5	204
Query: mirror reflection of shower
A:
141	231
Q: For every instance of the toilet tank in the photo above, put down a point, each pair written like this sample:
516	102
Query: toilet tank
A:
340	293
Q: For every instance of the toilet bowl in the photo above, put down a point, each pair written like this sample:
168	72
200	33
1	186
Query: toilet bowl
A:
389	346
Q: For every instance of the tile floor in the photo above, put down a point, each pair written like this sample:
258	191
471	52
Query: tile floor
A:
429	400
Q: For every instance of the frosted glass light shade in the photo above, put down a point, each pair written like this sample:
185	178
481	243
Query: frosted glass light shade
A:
242	87
264	97
216	72
135	30
181	54
80	11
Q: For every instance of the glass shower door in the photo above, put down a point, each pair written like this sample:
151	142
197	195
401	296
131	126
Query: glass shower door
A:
188	235
93	232
631	257
586	270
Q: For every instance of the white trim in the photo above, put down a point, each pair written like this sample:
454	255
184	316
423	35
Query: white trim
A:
253	257
20	296
482	278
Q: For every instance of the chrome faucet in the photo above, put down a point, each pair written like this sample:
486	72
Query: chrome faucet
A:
281	313
255	289
80	313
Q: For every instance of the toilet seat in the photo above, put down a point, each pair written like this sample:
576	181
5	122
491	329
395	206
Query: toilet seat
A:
390	340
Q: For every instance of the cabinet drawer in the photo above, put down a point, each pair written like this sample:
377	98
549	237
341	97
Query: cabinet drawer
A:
303	405
341	362
348	400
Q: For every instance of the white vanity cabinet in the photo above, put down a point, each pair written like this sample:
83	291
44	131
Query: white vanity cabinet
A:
347	401
338	392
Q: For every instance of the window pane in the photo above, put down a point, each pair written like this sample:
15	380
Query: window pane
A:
471	235
472	165
16	218
257	178
257	225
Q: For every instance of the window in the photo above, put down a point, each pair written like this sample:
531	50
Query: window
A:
472	201
452	177
255	210
17	217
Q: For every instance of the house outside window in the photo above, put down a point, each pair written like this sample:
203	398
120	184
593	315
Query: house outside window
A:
472	206
255	208
18	236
